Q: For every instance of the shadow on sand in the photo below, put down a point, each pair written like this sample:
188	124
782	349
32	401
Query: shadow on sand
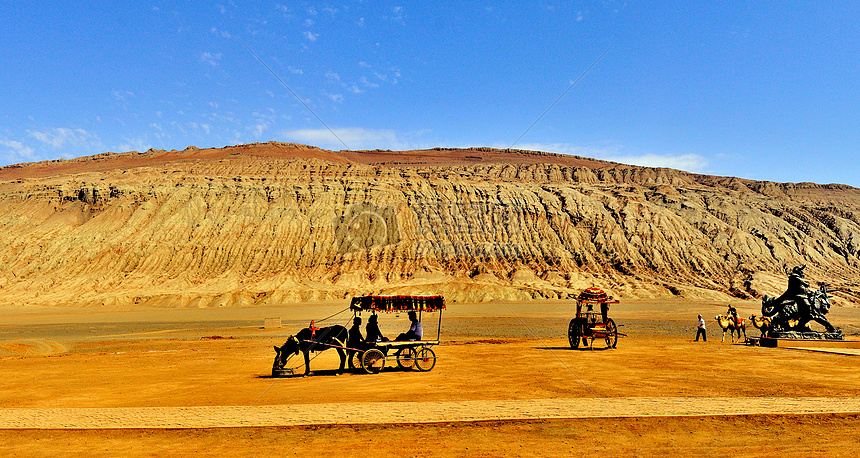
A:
574	349
324	373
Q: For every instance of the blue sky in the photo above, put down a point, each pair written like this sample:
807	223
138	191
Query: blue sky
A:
761	90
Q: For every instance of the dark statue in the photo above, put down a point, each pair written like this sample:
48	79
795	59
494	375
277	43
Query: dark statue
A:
791	313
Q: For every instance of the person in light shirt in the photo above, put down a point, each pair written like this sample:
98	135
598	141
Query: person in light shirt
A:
701	330
415	331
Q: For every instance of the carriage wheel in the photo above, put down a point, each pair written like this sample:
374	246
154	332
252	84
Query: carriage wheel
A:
355	360
425	359
573	334
405	358
611	333
373	361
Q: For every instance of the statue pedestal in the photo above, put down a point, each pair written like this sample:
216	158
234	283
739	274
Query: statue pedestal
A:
797	335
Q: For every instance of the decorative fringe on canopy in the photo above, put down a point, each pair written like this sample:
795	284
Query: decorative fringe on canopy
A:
397	303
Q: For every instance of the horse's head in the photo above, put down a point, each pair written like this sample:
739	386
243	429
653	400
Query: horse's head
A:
283	354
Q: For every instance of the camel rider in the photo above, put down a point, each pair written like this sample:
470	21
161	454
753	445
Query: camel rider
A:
733	312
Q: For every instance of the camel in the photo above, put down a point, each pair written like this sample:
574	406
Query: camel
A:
762	323
728	323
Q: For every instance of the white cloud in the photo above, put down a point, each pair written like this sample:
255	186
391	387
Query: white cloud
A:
221	33
397	14
134	144
686	162
332	76
15	151
210	58
295	71
121	95
194	126
63	137
311	36
561	148
354	137
354	89
257	130
335	97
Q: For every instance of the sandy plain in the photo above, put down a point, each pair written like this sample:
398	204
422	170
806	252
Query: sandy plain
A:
657	393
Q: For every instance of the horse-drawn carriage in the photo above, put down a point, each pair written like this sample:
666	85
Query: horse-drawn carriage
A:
589	325
406	353
372	354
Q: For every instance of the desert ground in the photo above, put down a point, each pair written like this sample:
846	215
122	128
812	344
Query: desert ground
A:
84	381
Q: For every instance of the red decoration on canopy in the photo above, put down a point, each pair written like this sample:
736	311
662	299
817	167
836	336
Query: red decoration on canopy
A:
594	296
398	303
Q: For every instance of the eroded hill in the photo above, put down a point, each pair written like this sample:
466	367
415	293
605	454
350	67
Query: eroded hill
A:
275	223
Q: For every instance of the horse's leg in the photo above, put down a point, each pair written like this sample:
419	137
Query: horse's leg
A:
307	362
724	336
342	353
823	321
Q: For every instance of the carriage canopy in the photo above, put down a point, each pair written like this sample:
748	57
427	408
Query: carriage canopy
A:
595	296
397	303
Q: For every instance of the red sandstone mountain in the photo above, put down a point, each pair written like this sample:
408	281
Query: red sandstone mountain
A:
273	223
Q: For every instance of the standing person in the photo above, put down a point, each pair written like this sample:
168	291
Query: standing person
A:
701	330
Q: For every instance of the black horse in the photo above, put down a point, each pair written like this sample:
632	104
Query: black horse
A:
308	340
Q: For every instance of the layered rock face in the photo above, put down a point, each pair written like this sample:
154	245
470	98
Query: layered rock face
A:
280	223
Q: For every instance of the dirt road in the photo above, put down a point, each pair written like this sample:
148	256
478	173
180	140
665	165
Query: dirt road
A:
393	413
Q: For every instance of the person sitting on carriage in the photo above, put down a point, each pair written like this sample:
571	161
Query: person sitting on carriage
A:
373	332
374	335
415	331
355	340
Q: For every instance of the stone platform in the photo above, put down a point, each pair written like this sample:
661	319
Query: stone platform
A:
822	344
